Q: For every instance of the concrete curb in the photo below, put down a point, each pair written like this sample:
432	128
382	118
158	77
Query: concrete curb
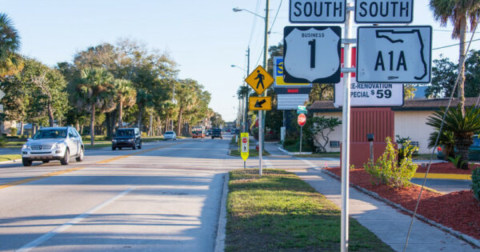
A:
293	153
11	161
457	234
222	217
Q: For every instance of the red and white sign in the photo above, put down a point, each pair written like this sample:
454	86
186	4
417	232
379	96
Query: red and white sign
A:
244	140
302	119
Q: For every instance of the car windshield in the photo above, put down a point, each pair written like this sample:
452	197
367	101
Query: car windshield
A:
125	133
476	141
169	133
50	133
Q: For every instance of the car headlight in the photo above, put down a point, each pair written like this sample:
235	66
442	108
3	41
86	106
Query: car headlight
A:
26	146
114	140
130	140
59	146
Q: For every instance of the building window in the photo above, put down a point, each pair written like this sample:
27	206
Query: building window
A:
334	144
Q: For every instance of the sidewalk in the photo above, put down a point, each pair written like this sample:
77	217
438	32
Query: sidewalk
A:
390	225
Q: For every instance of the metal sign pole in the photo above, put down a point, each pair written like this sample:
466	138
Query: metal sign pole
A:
346	131
301	131
260	137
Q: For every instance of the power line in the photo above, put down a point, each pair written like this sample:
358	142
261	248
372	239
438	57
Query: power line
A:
278	10
452	45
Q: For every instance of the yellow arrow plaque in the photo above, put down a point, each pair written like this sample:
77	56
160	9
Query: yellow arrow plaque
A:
260	103
259	80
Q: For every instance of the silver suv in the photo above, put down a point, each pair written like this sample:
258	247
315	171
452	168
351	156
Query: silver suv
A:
56	143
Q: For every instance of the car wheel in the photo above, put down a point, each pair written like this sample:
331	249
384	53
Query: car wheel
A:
80	156
119	148
134	147
140	146
26	162
113	148
45	161
212	137
66	158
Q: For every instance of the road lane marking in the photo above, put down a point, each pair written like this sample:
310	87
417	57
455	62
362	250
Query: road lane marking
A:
56	173
70	223
51	174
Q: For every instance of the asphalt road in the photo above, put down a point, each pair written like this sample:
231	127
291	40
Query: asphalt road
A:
165	197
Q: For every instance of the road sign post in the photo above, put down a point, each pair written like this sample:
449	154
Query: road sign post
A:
309	11
383	11
260	80
306	51
301	120
394	54
245	149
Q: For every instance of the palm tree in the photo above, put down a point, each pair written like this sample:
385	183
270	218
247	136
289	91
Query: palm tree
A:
462	126
459	12
447	140
10	61
95	91
126	97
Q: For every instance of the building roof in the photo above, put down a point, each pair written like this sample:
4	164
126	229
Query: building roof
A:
408	105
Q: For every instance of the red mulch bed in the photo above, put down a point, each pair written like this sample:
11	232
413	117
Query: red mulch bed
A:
458	210
446	168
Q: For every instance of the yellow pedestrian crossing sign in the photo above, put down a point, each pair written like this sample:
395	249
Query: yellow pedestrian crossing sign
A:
260	103
244	146
259	80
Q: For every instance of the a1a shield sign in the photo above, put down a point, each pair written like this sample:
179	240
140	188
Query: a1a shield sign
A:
394	54
312	54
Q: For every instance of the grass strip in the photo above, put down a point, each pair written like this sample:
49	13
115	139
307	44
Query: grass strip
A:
280	212
9	157
252	153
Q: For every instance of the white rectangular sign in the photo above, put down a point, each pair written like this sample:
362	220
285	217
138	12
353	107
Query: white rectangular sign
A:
370	94
394	54
383	11
290	101
311	11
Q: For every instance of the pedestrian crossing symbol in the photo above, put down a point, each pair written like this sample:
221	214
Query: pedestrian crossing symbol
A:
259	80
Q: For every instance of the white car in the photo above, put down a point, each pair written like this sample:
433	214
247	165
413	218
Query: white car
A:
170	135
57	143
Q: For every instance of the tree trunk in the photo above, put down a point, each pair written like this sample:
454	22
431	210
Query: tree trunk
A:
108	122
150	126
140	117
179	130
50	113
461	67
462	143
21	128
92	126
77	127
120	112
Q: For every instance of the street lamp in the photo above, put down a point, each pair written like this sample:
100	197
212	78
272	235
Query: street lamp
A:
265	66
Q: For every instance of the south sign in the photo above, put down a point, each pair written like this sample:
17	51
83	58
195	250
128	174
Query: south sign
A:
308	11
383	11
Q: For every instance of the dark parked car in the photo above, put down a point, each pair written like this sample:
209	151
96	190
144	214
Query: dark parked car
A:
217	133
129	137
473	151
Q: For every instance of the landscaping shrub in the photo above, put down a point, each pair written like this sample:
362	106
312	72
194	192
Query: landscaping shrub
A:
144	134
387	170
476	183
3	142
13	131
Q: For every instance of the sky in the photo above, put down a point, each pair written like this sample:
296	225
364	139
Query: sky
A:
204	37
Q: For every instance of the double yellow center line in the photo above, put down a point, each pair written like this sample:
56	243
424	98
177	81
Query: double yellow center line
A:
56	173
